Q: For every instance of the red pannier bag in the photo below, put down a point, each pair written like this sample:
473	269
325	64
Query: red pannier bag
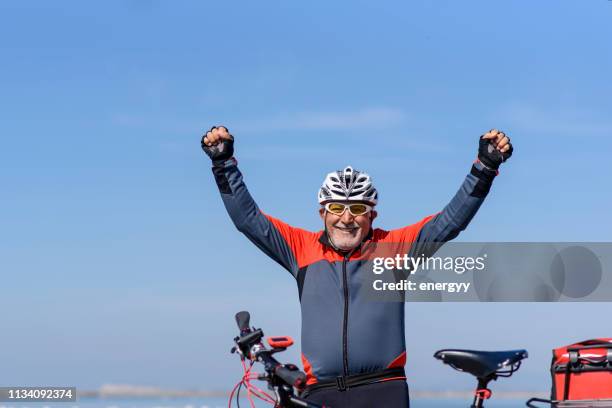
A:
583	371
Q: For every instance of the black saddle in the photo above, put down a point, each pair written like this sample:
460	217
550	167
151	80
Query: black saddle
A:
483	364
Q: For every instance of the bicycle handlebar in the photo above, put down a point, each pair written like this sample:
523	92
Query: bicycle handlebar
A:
295	378
292	377
283	378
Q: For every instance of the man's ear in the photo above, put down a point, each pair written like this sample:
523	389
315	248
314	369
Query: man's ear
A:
373	215
322	213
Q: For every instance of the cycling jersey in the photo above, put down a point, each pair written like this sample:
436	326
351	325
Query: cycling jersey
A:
343	333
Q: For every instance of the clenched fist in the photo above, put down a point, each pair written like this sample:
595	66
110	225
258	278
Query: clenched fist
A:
494	148
218	143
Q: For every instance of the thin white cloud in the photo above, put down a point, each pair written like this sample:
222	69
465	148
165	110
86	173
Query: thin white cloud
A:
392	120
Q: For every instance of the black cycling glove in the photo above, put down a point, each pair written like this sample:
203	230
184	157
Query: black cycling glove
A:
220	152
490	156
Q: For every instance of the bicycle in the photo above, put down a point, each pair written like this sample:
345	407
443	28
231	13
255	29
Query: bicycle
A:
281	378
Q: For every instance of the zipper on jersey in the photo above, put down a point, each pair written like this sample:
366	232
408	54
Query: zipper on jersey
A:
345	321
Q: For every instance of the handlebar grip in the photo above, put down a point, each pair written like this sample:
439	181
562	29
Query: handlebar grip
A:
243	320
295	378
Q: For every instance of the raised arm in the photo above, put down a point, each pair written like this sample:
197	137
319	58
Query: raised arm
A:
494	149
275	238
432	232
458	213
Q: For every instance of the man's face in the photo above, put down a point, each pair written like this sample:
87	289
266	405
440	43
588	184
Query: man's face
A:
346	231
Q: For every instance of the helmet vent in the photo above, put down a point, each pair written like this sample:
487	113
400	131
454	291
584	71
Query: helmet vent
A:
348	185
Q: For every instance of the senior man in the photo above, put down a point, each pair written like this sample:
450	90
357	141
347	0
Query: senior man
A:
353	349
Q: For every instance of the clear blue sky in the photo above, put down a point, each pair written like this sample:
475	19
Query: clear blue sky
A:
118	263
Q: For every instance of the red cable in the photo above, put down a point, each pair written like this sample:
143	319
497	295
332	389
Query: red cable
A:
229	405
246	382
255	390
391	379
261	394
251	389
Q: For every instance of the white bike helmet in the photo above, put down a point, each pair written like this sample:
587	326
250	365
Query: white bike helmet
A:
348	185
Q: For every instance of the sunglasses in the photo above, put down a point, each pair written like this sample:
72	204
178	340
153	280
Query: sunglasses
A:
354	209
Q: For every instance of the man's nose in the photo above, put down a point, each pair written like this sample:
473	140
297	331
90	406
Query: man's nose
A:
347	217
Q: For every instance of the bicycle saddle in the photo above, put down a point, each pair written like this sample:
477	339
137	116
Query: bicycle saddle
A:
482	364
